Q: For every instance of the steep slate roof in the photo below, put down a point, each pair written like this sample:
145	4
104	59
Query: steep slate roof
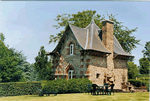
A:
89	40
118	49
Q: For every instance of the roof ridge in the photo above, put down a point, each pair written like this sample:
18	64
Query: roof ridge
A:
75	26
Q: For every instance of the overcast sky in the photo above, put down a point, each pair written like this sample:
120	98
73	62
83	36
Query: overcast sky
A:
28	25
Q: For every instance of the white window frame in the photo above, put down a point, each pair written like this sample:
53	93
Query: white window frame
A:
71	49
71	72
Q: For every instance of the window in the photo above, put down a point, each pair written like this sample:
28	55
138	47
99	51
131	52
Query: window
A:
71	49
97	75
100	34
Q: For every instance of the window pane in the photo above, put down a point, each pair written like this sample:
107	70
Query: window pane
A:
71	49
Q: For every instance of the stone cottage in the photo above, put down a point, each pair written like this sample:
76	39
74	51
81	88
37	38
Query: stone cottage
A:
91	53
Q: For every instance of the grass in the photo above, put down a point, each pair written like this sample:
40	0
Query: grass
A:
141	96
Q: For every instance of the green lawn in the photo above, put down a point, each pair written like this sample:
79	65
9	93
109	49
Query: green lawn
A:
81	97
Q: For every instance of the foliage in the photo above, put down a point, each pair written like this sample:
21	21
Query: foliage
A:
19	88
145	61
42	65
144	65
10	66
136	83
139	83
144	78
147	50
147	85
29	72
83	19
143	75
10	63
2	37
67	86
132	70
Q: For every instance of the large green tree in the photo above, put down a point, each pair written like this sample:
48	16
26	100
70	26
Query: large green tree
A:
10	63
82	19
144	65
43	65
146	51
132	70
145	61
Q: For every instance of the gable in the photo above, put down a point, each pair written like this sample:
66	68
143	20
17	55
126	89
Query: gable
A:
67	38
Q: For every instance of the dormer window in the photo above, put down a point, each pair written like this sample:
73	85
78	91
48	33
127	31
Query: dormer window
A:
100	34
71	49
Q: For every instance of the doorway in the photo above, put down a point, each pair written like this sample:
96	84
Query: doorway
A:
70	74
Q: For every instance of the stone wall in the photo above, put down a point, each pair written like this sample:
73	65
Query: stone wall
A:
120	77
121	72
97	71
65	59
120	63
97	61
97	68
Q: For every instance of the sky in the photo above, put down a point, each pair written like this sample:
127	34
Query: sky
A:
27	25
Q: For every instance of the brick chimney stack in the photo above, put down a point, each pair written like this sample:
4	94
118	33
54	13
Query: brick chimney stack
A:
107	40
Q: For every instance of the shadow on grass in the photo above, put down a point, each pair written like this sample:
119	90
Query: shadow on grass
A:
40	96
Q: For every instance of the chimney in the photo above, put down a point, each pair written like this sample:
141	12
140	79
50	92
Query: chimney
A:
107	40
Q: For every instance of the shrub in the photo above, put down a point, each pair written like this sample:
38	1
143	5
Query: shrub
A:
143	75
139	83
147	85
67	86
136	83
144	78
19	88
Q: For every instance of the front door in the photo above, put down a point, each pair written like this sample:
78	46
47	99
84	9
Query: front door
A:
70	74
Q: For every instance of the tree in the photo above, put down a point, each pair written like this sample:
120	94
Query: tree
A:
145	61
146	52
43	65
132	70
82	19
2	37
10	62
144	65
29	72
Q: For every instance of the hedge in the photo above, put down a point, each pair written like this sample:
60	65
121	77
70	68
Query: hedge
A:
143	75
144	78
67	86
19	88
139	83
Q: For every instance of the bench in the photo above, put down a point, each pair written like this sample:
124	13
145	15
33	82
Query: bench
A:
45	92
